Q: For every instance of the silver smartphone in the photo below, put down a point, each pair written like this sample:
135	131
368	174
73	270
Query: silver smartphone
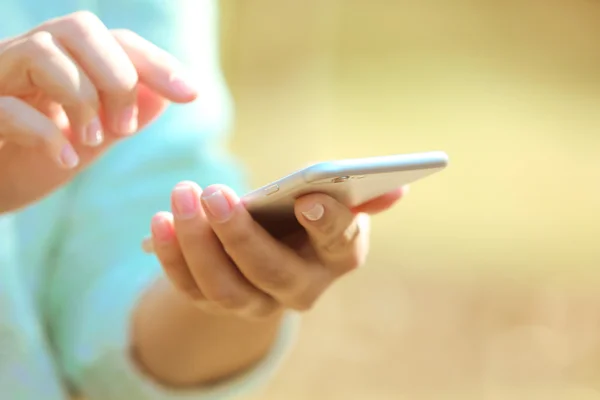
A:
351	181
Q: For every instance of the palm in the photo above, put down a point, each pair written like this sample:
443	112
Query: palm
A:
28	173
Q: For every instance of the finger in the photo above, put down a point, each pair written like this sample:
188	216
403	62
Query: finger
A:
102	57
214	272
39	62
24	125
382	203
159	70
150	104
56	113
335	232
168	251
265	262
148	245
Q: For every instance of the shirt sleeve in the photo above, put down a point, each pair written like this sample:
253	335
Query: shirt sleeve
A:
99	271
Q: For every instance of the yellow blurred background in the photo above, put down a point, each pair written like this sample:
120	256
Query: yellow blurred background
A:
483	283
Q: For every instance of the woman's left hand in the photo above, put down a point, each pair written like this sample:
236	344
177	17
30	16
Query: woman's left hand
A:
219	257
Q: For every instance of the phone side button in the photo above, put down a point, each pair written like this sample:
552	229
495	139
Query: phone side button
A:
269	190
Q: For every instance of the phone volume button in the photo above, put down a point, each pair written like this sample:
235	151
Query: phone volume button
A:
269	190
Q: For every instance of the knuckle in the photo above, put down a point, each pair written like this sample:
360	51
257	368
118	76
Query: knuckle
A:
306	299
82	22
239	238
277	278
341	238
39	44
329	227
263	309
230	299
125	34
122	88
82	98
41	39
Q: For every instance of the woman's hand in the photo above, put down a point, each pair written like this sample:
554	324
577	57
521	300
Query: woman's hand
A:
69	89
216	254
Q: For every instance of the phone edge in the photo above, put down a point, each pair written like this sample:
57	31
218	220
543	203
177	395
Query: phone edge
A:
376	165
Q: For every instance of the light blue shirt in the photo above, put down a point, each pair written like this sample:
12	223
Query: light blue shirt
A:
71	268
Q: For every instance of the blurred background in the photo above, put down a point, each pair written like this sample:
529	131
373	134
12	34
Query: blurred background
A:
484	282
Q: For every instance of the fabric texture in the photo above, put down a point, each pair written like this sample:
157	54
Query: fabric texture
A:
71	267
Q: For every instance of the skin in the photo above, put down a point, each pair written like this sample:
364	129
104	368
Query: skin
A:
238	279
69	90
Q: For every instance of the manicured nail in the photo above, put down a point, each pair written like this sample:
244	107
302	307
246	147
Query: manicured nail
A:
68	156
93	133
217	205
315	213
185	202
128	121
161	228
183	86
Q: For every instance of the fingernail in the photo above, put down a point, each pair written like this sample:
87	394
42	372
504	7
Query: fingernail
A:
128	121
217	205
68	156
185	202
161	228
315	213
148	245
183	86
93	133
405	190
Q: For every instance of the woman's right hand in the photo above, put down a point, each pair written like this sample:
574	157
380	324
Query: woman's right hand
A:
69	89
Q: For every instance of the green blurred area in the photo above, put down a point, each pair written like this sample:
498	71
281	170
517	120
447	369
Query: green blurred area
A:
511	91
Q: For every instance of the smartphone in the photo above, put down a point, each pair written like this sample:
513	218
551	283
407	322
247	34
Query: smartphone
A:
351	181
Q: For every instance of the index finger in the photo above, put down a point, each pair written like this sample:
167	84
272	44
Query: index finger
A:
268	264
94	48
381	203
156	68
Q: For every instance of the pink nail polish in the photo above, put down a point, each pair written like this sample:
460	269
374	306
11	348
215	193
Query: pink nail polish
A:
161	228
128	121
93	133
217	205
315	213
185	202
68	156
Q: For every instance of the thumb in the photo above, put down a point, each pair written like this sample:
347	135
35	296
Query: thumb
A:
338	236
35	174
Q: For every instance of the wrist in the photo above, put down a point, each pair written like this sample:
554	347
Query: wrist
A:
181	345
